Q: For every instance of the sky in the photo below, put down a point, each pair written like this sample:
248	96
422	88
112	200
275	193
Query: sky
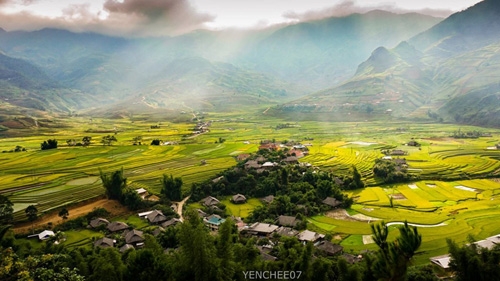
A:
140	18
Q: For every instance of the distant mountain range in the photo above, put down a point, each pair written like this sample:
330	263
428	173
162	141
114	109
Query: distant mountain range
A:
417	67
448	73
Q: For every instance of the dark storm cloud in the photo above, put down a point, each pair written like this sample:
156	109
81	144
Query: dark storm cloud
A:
174	13
130	18
350	7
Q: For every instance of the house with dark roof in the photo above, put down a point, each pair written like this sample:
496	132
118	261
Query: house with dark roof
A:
156	217
265	253
262	229
238	199
332	202
252	164
117	226
268	199
158	231
329	248
213	222
398	152
104	242
171	222
286	231
242	157
287	221
291	160
125	247
95	223
210	201
201	213
134	237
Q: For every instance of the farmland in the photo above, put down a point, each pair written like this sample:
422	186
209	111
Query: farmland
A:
457	192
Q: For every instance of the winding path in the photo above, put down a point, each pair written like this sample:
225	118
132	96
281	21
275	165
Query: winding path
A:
179	207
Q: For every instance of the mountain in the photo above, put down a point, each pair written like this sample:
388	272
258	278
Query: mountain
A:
449	73
257	67
322	53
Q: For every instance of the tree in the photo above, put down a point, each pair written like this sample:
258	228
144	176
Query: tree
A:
393	258
226	268
49	144
156	142
356	176
172	187
86	140
64	213
6	210
114	184
137	140
197	250
107	140
32	214
473	263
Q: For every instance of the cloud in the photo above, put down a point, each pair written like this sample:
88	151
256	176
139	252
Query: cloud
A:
130	18
350	7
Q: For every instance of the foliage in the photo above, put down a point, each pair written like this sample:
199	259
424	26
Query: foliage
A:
31	212
114	183
107	140
6	210
171	187
156	142
391	172
86	141
470	262
64	213
49	144
393	258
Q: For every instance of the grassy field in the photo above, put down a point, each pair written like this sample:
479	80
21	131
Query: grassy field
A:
457	185
241	210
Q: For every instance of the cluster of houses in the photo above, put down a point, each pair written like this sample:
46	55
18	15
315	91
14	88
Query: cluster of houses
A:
145	195
201	127
488	243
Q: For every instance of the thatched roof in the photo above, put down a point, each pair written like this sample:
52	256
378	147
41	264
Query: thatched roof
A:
117	226
98	222
133	236
104	242
330	201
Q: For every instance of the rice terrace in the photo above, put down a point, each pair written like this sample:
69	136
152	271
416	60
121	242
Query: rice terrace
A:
456	191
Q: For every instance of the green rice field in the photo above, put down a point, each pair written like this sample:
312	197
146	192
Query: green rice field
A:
457	194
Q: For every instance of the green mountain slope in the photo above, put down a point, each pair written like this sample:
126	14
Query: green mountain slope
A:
448	73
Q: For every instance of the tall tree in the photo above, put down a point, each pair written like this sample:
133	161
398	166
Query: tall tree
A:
197	250
472	263
393	258
226	268
107	140
6	210
114	183
32	214
172	187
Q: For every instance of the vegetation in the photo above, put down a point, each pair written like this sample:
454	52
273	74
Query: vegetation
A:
470	262
49	144
6	210
172	187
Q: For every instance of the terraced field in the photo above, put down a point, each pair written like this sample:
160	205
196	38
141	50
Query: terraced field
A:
457	184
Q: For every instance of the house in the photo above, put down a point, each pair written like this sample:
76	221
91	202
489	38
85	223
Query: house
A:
261	159
117	226
262	229
287	221
387	158
95	223
144	215
252	164
352	259
156	217
296	152
104	242
242	157
268	199
332	202
201	213
308	235
216	180
125	247
486	244
338	181
291	160
398	152
442	261
413	143
134	236
213	222
268	146
495	239
210	201
44	235
143	193
286	231
265	253
171	222
329	248
158	231
269	165
239	199
153	198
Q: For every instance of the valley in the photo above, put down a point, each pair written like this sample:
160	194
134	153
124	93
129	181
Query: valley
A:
455	187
